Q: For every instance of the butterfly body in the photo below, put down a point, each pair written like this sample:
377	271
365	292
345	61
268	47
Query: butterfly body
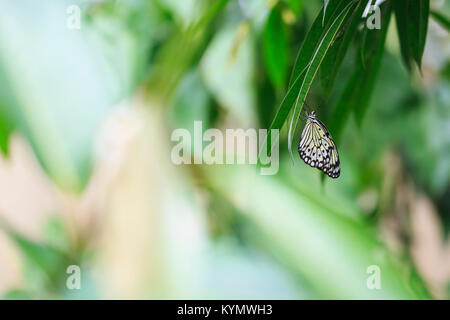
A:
317	147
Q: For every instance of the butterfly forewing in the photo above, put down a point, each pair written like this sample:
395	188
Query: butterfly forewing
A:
318	149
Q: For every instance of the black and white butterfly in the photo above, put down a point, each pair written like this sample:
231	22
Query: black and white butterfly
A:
317	147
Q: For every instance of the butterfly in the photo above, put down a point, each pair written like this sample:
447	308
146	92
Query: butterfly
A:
317	148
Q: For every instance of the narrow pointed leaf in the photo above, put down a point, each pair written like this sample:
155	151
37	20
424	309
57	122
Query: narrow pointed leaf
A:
333	60
443	20
412	24
276	49
313	37
5	132
8	112
356	95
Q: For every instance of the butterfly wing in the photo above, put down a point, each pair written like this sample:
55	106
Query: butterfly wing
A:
318	149
311	148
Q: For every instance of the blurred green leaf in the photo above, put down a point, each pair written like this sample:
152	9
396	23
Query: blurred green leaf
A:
45	258
443	20
44	265
5	132
183	49
356	95
445	71
332	251
276	48
17	295
227	69
8	112
56	235
412	24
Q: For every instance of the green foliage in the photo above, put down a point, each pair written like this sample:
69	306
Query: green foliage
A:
44	263
317	232
335	55
442	19
356	95
309	59
5	132
181	50
8	115
42	257
412	25
44	267
276	48
17	295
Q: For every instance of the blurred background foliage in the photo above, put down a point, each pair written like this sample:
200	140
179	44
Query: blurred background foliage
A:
86	178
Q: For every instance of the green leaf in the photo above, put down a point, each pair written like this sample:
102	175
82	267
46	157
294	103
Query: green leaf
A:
17	295
443	20
5	132
276	48
190	41
43	257
8	112
333	60
56	235
445	71
228	73
412	25
356	95
313	37
310	56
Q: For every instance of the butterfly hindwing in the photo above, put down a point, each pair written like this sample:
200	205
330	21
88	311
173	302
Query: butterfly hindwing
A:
318	149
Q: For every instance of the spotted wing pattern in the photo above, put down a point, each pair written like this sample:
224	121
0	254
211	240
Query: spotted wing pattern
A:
318	149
